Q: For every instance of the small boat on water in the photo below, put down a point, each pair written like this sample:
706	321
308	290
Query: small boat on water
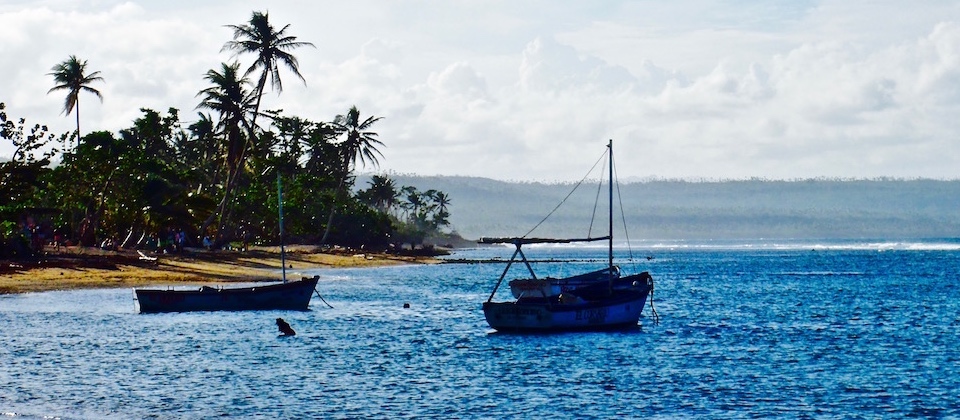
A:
292	295
596	300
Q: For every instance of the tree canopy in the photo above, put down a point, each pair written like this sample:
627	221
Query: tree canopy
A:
214	178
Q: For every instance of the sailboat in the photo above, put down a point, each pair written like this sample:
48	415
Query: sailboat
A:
602	299
292	295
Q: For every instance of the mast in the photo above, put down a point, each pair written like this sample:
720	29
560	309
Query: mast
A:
610	214
283	259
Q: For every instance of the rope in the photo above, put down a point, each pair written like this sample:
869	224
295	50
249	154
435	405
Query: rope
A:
568	196
623	216
325	301
656	316
596	202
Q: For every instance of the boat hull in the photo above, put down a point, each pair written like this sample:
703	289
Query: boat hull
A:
622	308
294	295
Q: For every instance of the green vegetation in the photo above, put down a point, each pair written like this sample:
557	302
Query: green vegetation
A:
215	178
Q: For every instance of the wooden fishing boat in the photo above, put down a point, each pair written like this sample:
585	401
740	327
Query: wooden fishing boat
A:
596	300
291	295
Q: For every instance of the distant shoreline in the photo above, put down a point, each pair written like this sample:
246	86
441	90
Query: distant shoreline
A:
726	210
91	268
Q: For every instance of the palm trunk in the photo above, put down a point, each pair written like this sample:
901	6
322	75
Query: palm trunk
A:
233	174
91	222
78	123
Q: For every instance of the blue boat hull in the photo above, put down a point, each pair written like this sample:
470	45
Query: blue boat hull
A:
589	308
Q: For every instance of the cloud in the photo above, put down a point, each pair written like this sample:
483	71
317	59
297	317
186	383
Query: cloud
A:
819	88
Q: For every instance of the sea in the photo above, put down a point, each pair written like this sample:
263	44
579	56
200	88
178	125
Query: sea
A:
735	329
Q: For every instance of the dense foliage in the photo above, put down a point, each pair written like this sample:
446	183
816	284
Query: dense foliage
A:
157	178
214	181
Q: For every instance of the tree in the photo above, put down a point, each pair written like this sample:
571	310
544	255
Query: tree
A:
359	144
229	97
441	215
383	193
70	76
271	48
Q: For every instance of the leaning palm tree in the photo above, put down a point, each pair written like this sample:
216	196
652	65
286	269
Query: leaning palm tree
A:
228	96
271	47
70	76
359	144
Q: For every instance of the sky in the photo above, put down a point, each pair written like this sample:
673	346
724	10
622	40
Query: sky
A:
533	90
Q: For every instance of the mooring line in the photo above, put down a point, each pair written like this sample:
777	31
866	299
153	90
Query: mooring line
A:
321	298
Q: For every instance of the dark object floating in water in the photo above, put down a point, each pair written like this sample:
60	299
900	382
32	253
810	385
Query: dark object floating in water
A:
284	327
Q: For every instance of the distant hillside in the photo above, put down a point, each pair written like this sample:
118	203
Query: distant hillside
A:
706	210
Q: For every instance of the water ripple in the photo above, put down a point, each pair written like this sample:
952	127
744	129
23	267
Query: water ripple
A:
744	334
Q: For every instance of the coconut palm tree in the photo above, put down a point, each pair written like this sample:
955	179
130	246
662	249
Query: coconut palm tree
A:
70	75
359	144
271	47
383	193
228	96
442	200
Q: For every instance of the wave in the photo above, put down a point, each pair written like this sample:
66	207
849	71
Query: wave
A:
814	245
947	244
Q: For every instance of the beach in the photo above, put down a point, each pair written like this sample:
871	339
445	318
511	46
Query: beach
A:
91	268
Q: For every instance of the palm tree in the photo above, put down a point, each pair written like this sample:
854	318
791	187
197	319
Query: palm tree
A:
228	95
442	200
383	193
70	76
415	201
441	216
359	144
259	37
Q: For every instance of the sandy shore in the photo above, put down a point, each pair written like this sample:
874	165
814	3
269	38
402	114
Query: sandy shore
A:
78	268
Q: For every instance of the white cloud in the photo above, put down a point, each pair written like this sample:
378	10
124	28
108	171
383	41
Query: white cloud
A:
518	91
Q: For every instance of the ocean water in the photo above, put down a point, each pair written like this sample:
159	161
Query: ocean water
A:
762	329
